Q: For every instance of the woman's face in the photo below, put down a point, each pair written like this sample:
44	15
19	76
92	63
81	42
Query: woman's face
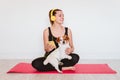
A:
59	17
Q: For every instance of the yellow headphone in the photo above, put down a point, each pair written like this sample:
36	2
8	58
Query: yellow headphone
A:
52	16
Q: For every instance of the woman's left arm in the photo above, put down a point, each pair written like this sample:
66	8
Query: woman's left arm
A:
71	49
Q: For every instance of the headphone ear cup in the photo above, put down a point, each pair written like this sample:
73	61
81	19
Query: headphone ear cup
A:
53	18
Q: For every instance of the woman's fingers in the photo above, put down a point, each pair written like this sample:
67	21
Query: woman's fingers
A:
68	50
50	46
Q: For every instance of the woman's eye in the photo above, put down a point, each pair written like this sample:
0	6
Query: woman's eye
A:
59	15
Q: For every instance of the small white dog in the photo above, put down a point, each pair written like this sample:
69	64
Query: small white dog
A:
59	53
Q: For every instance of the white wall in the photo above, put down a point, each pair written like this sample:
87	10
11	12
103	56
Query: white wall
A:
95	25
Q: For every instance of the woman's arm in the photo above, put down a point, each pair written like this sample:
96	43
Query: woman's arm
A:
71	49
47	47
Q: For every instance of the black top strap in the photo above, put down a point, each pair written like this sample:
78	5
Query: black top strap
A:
66	30
50	33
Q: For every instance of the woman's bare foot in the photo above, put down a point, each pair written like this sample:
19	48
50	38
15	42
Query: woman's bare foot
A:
68	68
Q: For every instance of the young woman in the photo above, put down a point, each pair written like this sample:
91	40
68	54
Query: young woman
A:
51	33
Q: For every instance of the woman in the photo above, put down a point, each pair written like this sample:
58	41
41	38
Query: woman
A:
51	33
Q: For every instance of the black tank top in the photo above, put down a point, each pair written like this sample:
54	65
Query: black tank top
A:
53	38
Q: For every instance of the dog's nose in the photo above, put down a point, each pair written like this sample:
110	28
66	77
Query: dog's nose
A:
63	42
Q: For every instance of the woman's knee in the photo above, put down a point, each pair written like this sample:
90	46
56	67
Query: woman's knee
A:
38	63
75	57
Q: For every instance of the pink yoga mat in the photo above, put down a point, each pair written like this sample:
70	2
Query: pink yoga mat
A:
80	69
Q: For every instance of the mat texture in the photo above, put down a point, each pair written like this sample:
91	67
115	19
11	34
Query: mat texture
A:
26	68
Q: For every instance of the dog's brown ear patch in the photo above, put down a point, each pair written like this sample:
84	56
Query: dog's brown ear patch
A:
58	40
65	37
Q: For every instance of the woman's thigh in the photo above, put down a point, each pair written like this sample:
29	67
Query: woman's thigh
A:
38	65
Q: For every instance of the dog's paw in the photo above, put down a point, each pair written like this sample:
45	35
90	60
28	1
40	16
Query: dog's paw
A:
45	62
69	57
60	72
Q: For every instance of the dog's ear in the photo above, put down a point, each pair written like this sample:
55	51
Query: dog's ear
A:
58	40
65	37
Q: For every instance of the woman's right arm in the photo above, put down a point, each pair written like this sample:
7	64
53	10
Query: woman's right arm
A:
47	47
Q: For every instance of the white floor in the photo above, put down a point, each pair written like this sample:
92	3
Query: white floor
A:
6	65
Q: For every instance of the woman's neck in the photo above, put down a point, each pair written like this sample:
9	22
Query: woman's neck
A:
57	30
58	26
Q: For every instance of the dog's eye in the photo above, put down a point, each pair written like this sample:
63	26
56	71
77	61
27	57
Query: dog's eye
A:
60	39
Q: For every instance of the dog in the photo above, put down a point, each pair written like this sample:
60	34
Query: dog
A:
58	54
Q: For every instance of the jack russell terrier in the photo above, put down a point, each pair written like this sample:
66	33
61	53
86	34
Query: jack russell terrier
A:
58	54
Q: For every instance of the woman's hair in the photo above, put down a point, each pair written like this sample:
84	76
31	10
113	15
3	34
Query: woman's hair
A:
53	12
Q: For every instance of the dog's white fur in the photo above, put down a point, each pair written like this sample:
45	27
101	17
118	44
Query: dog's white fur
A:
58	54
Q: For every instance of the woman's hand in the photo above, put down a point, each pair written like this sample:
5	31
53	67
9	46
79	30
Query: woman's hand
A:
68	50
50	46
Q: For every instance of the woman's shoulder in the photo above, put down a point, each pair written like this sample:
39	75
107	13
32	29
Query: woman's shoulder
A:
69	30
67	27
45	30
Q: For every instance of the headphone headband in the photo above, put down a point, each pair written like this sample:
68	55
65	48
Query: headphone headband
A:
52	12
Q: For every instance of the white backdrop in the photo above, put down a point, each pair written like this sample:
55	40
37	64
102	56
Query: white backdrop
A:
95	25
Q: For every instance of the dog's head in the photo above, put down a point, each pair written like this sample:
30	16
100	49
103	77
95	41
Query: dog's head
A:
62	40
